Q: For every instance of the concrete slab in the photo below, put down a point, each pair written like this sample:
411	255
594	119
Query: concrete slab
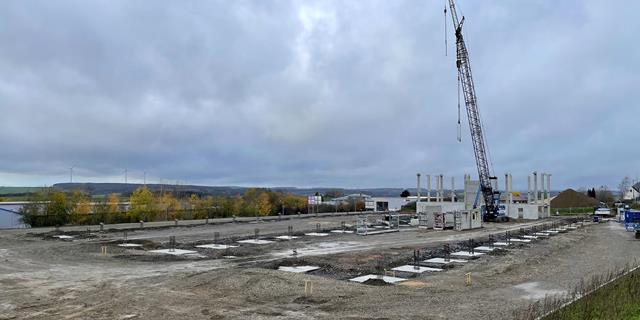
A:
175	252
500	244
386	279
541	234
299	269
534	237
443	261
467	254
255	241
520	240
316	234
572	227
286	237
414	269
341	231
551	232
130	245
216	246
484	249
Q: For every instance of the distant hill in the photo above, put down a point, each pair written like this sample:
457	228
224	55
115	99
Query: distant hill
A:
121	188
16	191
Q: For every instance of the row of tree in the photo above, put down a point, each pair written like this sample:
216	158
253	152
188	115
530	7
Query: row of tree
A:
51	207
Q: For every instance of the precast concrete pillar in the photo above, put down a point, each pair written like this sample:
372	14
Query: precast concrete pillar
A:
549	191
428	188
528	189
535	187
453	189
441	188
418	191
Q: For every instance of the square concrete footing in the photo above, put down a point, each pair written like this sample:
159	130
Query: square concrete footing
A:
216	246
173	252
286	237
299	269
316	234
255	241
520	240
467	254
130	245
415	269
387	279
341	231
483	249
443	261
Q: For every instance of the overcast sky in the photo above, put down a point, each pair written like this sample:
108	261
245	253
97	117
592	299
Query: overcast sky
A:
314	93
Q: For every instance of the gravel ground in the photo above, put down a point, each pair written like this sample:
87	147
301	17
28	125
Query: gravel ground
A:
45	278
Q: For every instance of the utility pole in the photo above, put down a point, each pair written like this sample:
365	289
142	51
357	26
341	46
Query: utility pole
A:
71	175
125	175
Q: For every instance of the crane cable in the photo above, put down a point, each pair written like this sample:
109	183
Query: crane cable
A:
459	124
445	29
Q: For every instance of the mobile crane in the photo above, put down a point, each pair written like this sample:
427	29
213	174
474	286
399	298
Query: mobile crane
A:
491	197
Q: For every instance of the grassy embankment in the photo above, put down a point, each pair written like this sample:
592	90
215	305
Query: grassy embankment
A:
619	299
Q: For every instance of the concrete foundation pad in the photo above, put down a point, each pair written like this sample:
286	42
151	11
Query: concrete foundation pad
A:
551	232
300	269
572	227
341	231
63	237
286	237
500	244
541	234
443	261
175	252
415	269
386	279
484	249
216	246
521	240
316	234
467	254
130	245
255	241
530	237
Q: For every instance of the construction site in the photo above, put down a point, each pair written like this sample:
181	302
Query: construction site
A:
301	268
483	250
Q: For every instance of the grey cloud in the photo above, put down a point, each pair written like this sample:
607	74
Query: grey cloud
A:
310	93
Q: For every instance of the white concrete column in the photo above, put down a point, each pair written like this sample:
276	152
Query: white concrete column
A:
535	187
541	197
428	188
549	191
453	187
528	189
418	191
441	188
510	189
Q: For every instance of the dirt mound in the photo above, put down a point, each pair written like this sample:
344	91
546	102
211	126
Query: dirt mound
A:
572	199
